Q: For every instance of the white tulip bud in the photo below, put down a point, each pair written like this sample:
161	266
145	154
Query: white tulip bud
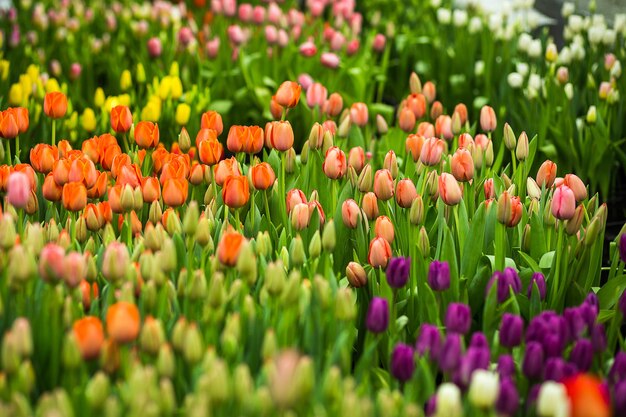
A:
449	401
484	388
552	400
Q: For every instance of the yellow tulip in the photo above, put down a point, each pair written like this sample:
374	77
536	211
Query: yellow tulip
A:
174	72
52	85
89	120
33	73
4	69
124	99
165	87
183	111
16	96
141	73
99	97
126	80
72	121
176	88
27	86
151	113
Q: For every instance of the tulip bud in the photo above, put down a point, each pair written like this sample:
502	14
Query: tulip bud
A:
591	115
483	390
365	179
356	275
270	345
315	245
381	124
423	243
156	213
71	352
416	214
377	315
152	336
449	400
216	291
97	390
193	345
7	232
275	278
191	219
509	137
329	237
572	226
521	152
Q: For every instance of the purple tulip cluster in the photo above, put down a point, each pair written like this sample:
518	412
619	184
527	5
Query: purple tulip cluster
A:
617	383
505	281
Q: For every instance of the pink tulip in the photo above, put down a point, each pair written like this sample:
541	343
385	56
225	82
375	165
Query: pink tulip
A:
353	47
379	42
245	12
305	80
449	189
274	13
51	262
308	49
359	114
212	47
236	35
185	36
432	151
563	203
18	189
271	34
154	47
316	95
230	7
488	121
329	60
258	15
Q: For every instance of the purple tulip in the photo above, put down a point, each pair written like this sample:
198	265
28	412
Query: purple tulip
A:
430	408
398	271
553	345
402	362
589	312
505	281
506	366
507	402
450	354
458	318
539	280
582	355
619	397
576	322
592	300
429	340
377	315
622	247
598	338
439	275
513	279
533	360
557	369
550	330
474	358
479	340
617	373
511	330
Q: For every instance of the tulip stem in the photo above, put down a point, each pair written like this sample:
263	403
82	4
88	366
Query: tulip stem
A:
17	149
237	223
7	151
54	132
225	217
555	278
129	232
253	210
282	189
500	246
267	206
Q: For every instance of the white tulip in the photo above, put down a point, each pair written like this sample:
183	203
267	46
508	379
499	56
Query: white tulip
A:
534	82
534	50
608	38
515	80
595	34
475	25
568	9
444	16
522	68
552	396
484	388
524	42
569	91
616	69
619	22
575	23
435	3
449	401
459	17
565	56
479	68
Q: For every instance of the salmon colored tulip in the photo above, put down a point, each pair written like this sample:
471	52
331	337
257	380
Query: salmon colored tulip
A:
405	193
335	164
426	129
43	157
50	189
563	203
93	217
210	152
123	322
488	121
248	139
576	185
333	105
356	159
196	173
121	119
509	210
436	110
279	135
229	247
83	170
587	396
288	94
417	104
383	184
350	213
276	109
236	191
150	189
384	227
74	196
461	110
89	293
413	145
462	165
114	197
147	134
212	120
432	150
546	174
21	115
465	140
406	119
379	252
100	187
443	127
64	148
55	105
370	205
225	169
294	197
390	163
300	216
489	189
262	176
449	189
175	191
8	125
129	174
315	205
359	114
89	335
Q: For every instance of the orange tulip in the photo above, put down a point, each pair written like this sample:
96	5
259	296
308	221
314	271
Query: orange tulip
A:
121	119
436	110
114	197
8	125
405	193
236	191
350	213
384	228
333	105
108	156
546	174
147	134
359	114
123	322
356	159
83	170
379	252
225	169
370	205
160	157
196	174
262	175
461	110
288	94
413	144
229	247
5	171
335	164
74	196
276	109
576	185
488	121
64	148
91	149
89	335
237	135
50	189
417	104
406	119
253	141
587	397
383	184
443	127
432	150
212	120
21	116
462	165
43	157
175	191
449	189
100	187
151	189
279	135
88	292
206	134
210	152
93	217
55	105
129	174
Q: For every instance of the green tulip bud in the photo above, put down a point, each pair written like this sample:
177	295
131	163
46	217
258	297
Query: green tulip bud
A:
178	334
22	265
345	305
247	264
191	219
71	352
593	230
509	137
416	213
423	243
244	386
291	291
329	237
34	238
23	335
198	286
166	362
203	233
149	295
193	346
315	246
321	290
112	407
167	397
152	336
97	390
156	212
521	152
138	199
270	345
231	336
10	353
332	388
127	198
184	141
7	232
365	181
275	278
108	236
167	255
304	153
297	251
217	293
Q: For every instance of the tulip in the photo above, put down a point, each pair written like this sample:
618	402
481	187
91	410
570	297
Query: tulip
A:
279	135
350	213
402	362
429	340
212	120
333	105
509	210
406	119
300	216
51	265
229	247
83	170
488	120
55	105
576	185
384	228
293	198
356	275
262	175
563	204
154	47
449	357
462	165
449	189
210	152
316	95
546	174
379	252
74	196
484	389
121	119
532	365
329	60
370	205
511	330
235	191
335	164
356	159
74	268
390	163
448	400
417	104
89	335
175	191
436	110
439	275
398	272
443	127
377	319
288	94
405	193
359	114
147	134
383	184
18	189
123	322
431	151
225	169
9	127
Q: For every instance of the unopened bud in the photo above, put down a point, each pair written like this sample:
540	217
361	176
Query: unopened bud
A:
526	238
184	141
381	124
572	226
71	352
7	232
247	264
509	137
156	212
296	251
344	127
193	345
275	278
416	213
592	115
365	179
521	152
178	334
191	219
152	336
315	246
423	243
270	345
97	390
304	153
415	84
329	237
532	189
166	363
217	293
345	306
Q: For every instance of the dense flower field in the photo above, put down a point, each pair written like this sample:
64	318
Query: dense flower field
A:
269	208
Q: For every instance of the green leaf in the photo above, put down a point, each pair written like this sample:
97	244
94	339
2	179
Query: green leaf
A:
611	291
546	260
221	106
